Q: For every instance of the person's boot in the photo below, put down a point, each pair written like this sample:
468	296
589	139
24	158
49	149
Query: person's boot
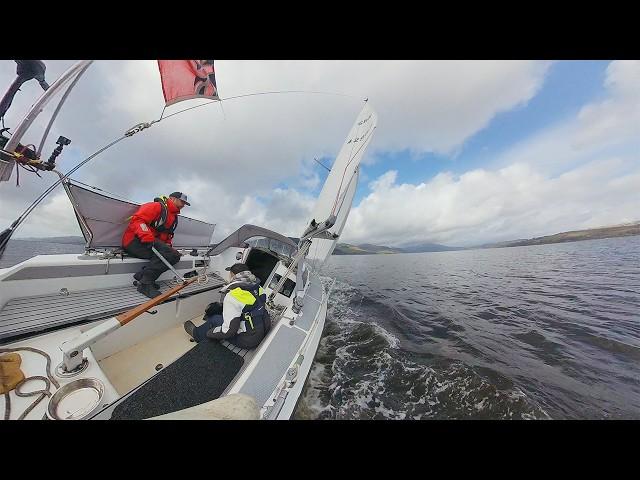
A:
148	290
189	327
138	276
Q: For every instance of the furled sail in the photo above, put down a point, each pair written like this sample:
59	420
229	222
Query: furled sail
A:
338	191
187	79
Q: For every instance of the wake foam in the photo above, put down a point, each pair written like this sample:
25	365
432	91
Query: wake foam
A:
361	372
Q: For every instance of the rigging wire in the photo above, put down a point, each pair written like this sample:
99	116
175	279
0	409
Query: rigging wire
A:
322	165
257	94
7	233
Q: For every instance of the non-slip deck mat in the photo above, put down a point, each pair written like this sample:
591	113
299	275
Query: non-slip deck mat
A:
30	314
199	376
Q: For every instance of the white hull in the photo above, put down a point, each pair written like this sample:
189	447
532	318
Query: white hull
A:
127	358
84	307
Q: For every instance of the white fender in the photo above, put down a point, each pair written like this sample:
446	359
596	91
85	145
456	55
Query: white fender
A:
237	406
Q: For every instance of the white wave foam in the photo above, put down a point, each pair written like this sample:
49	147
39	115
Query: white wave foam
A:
341	312
349	380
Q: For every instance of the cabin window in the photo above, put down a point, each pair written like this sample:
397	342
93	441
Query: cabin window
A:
274	246
261	264
287	288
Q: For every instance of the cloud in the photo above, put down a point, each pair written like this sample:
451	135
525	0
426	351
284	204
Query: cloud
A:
241	151
612	123
56	217
483	206
583	172
617	118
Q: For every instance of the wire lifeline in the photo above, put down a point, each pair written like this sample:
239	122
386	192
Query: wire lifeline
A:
141	126
277	93
132	131
256	94
42	196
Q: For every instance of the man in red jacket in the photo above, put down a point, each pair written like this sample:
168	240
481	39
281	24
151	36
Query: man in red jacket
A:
153	224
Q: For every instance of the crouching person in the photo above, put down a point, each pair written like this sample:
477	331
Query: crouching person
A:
242	318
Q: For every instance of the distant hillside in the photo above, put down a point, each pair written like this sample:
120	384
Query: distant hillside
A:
572	236
365	249
72	240
369	249
429	247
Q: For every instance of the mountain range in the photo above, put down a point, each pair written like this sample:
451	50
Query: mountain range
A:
573	236
624	230
369	249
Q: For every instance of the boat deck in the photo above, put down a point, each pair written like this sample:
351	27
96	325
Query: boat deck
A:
129	368
172	373
199	376
25	315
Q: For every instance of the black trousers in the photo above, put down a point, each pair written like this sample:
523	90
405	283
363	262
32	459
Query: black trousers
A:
156	267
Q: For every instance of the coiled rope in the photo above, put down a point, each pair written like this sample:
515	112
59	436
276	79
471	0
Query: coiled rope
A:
48	380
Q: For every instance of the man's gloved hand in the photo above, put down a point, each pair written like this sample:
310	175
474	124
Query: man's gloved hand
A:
214	308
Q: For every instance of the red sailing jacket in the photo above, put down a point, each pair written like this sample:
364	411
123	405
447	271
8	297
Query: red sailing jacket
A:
140	224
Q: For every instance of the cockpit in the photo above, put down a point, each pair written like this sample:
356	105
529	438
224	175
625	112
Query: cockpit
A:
264	255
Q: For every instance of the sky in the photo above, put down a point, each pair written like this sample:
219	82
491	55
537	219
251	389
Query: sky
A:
465	152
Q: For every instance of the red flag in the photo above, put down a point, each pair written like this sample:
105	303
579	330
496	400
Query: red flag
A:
185	79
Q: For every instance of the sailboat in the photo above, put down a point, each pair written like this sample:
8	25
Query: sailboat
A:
82	343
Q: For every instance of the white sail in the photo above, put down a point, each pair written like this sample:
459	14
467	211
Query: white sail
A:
339	189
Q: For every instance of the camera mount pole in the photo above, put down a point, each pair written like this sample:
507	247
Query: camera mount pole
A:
62	142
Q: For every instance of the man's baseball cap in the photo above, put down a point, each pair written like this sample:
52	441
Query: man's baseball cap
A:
237	268
181	196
